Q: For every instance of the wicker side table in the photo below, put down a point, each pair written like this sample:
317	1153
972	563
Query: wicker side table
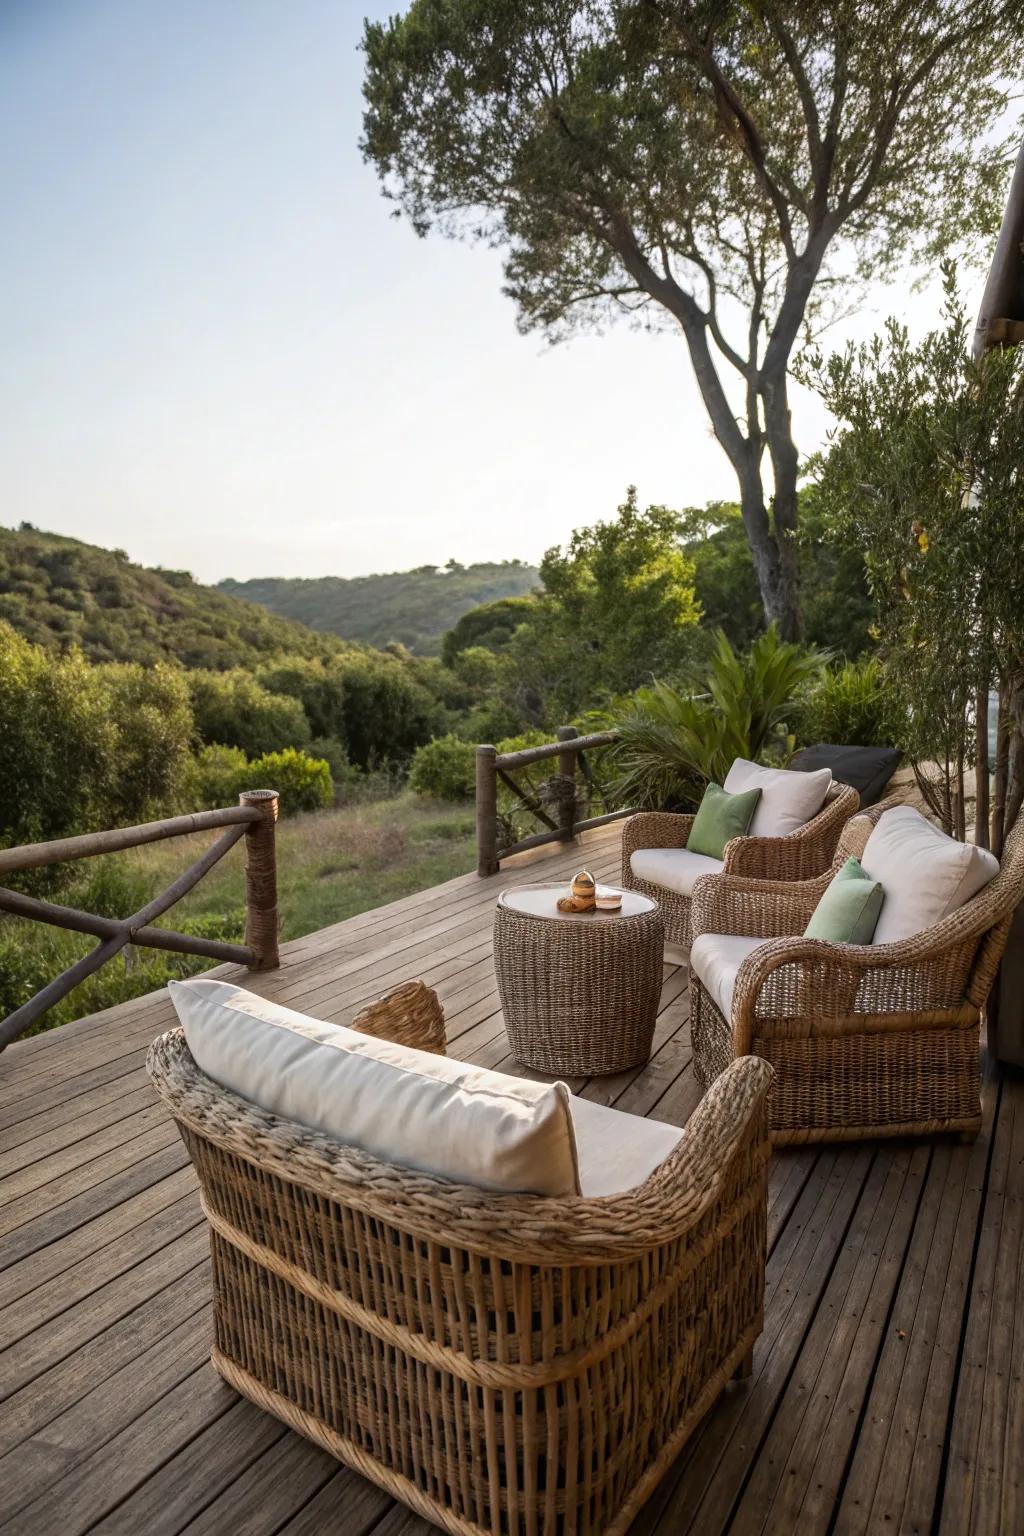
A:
579	990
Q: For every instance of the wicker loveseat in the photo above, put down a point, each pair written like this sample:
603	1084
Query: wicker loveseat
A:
799	856
866	1041
503	1364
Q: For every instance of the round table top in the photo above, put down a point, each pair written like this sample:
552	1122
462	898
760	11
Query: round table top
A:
542	901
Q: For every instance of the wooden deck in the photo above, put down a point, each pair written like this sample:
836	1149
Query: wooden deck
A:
887	1390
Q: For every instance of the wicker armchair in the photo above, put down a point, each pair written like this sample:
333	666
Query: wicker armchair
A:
799	856
502	1364
866	1041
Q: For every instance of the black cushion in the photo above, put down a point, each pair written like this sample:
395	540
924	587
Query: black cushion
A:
867	769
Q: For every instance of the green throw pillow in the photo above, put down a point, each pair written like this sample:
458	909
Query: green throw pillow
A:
720	817
848	911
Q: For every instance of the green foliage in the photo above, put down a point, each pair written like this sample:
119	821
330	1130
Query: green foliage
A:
618	607
219	774
852	705
222	773
151	709
343	775
84	747
837	604
57	741
674	741
231	709
924	472
317	686
444	768
58	591
304	782
412	608
490	626
386	712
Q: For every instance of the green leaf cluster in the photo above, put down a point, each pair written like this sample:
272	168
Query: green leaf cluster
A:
676	738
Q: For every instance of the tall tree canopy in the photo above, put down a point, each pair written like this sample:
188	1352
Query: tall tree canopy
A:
735	169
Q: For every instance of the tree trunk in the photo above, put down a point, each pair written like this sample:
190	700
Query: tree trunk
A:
774	577
778	424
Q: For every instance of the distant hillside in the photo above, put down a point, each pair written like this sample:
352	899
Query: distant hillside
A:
413	607
55	590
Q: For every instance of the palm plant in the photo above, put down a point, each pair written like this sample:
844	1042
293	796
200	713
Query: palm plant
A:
674	740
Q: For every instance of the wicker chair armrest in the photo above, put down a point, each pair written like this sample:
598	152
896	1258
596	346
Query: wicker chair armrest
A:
731	1120
654	829
410	1014
756	909
800	855
803	987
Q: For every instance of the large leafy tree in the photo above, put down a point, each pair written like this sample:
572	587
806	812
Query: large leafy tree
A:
734	169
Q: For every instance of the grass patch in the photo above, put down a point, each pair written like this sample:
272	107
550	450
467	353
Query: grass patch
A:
331	865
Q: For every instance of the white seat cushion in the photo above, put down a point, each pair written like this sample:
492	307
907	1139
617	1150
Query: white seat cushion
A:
673	868
405	1106
715	959
617	1151
789	798
925	874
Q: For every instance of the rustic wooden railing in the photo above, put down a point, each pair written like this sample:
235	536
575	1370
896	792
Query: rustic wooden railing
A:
558	811
254	818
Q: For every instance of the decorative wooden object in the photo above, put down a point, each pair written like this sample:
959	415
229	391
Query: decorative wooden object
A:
505	1365
582	895
254	819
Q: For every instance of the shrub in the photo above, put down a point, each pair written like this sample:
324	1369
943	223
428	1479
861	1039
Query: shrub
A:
218	776
148	770
343	774
317	687
304	782
56	741
233	710
444	768
851	706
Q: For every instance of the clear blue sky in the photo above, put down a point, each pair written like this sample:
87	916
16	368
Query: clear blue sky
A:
220	352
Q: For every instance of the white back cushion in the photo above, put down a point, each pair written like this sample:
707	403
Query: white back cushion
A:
925	874
789	799
405	1106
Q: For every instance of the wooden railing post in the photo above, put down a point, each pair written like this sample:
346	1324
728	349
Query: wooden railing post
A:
486	811
567	770
261	919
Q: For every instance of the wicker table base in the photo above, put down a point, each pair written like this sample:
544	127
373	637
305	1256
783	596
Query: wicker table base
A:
579	991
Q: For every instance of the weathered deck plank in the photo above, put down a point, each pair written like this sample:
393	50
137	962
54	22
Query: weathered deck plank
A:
887	1386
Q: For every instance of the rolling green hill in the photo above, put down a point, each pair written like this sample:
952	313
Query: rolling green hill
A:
412	607
56	591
